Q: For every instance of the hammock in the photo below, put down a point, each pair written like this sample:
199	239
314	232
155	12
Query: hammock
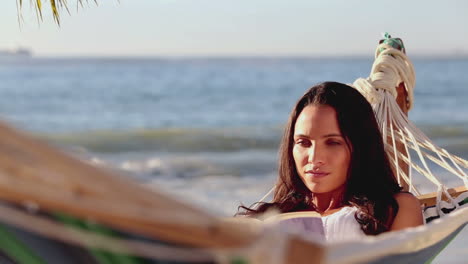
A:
392	67
57	209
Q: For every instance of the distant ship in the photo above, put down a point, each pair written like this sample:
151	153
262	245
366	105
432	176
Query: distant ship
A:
18	53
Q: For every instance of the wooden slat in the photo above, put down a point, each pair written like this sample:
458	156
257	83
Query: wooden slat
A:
431	198
33	172
80	177
83	191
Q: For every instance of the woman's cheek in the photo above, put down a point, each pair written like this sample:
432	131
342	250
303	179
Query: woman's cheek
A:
298	155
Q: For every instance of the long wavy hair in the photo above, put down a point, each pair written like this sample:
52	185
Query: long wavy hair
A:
371	183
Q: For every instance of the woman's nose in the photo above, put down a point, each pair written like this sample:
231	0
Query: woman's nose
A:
315	155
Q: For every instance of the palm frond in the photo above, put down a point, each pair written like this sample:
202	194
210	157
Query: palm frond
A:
38	8
55	11
19	4
56	6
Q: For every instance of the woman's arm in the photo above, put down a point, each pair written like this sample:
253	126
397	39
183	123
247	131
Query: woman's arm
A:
409	212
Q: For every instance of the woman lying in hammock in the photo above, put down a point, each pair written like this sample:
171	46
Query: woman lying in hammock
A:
332	162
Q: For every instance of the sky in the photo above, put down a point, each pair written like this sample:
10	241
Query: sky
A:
238	28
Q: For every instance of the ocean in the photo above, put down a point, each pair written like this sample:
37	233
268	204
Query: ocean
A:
206	130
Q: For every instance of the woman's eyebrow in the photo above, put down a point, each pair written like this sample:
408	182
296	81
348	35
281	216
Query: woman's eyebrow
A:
324	136
332	135
300	135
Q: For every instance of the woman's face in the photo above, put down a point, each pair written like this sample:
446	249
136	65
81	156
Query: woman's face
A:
320	151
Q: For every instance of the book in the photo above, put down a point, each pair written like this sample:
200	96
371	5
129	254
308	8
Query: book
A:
298	223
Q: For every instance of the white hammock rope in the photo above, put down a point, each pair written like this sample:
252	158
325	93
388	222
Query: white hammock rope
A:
267	194
442	153
406	177
410	176
392	67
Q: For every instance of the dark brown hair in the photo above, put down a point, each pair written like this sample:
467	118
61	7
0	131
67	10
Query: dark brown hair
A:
370	184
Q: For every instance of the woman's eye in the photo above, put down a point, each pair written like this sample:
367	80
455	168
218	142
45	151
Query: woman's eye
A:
302	142
333	142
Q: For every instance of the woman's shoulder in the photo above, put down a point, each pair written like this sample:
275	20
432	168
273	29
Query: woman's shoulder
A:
409	211
407	200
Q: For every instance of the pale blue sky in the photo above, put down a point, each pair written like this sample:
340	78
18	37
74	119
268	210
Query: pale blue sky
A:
239	27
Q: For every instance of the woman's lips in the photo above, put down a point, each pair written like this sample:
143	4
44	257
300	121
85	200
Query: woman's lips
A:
316	174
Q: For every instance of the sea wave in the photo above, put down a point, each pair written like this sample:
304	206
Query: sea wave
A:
185	140
445	131
454	138
190	140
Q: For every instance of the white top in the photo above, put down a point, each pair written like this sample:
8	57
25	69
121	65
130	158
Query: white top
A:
342	225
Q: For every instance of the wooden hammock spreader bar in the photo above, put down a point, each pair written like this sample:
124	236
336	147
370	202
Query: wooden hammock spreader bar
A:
431	198
26	162
31	172
79	177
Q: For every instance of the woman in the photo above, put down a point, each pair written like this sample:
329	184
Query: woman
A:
332	161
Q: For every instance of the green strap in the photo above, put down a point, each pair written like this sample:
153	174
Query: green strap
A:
464	201
101	256
239	260
17	250
396	43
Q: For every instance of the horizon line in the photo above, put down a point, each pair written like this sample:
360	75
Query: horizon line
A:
240	56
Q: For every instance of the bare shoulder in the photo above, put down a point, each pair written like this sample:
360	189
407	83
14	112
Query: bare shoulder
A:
409	212
407	200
